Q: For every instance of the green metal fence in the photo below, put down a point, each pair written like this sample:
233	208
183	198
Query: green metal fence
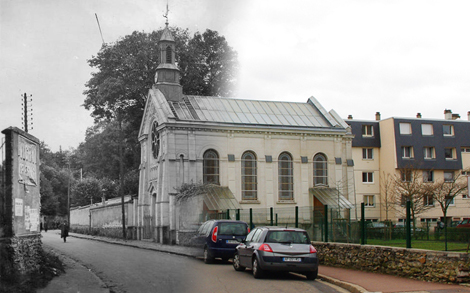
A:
345	226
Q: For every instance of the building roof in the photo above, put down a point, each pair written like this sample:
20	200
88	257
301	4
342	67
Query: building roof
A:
167	35
238	111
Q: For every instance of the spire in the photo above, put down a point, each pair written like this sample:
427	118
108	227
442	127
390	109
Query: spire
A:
167	75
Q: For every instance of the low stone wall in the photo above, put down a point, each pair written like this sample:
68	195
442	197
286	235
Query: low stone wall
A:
184	237
20	257
427	265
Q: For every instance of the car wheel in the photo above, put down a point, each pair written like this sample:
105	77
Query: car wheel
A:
257	271
236	263
311	275
207	258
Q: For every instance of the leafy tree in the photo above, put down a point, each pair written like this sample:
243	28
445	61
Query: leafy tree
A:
209	65
86	191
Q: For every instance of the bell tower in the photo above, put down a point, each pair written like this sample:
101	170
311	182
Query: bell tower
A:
167	76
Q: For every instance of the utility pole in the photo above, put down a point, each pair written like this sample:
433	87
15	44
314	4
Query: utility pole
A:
25	112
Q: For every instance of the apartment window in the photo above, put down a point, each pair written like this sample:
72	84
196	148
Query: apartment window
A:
320	170
427	130
407	152
369	201
428	176
367	177
428	200
449	153
448	176
406	175
465	149
405	128
367	130
367	154
429	153
448	129
249	176
451	202
286	177
211	167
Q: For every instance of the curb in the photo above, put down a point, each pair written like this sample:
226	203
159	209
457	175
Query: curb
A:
353	288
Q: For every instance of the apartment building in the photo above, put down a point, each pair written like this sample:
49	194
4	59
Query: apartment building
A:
436	148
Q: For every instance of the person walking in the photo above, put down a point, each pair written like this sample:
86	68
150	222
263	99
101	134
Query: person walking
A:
64	231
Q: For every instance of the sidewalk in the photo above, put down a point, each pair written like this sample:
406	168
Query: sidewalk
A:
79	279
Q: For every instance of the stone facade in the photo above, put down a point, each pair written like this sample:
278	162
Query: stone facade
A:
427	265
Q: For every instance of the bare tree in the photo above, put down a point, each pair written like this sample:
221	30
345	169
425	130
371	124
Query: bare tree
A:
388	195
409	186
444	191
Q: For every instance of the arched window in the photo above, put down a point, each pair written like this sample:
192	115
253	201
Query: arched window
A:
155	140
168	54
286	177
211	167
249	176
320	170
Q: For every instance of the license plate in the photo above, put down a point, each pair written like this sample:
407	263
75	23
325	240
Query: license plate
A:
292	259
232	242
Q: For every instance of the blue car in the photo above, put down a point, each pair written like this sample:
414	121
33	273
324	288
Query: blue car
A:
219	238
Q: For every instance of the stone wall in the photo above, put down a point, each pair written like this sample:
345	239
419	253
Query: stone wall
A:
20	257
435	266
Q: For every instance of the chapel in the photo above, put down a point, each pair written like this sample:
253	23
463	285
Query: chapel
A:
252	154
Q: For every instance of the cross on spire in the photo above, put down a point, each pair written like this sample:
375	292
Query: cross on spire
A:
166	14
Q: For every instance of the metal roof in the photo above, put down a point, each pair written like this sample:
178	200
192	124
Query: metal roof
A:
238	111
331	197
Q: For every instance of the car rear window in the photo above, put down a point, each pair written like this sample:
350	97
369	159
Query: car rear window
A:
299	237
238	229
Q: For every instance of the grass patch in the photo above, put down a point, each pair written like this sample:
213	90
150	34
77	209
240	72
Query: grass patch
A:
422	244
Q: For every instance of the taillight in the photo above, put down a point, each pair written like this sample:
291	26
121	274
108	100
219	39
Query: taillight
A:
312	249
214	234
265	247
248	230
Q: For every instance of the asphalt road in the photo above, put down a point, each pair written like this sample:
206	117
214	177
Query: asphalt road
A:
127	270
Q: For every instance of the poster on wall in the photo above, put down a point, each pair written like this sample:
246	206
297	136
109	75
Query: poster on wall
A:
18	207
27	162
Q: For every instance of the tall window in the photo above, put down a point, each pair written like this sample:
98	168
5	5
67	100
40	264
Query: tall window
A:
367	153
367	130
155	140
249	176
368	177
320	170
449	153
286	177
407	152
428	176
369	200
168	54
406	175
428	200
211	167
448	129
429	153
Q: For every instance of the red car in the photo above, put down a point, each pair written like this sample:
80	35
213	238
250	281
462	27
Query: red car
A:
464	224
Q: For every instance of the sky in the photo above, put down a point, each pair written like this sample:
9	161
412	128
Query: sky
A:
357	57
